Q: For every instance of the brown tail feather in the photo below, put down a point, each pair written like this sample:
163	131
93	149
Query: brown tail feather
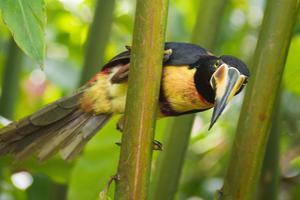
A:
62	136
86	132
60	125
41	137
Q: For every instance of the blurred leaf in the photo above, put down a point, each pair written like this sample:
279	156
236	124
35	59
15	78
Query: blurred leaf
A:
56	168
40	189
292	69
26	21
57	74
296	162
103	196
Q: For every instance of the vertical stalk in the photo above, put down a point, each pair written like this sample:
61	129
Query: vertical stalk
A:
209	18
142	97
269	180
11	80
97	38
171	160
10	85
255	119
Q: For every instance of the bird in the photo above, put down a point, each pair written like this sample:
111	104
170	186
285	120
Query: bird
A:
193	80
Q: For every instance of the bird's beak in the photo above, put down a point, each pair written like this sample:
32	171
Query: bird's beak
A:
226	81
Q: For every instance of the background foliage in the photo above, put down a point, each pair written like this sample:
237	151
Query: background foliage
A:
207	157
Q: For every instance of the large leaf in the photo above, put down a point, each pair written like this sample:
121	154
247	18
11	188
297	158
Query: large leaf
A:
292	70
26	20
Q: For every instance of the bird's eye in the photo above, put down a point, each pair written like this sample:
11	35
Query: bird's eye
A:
216	65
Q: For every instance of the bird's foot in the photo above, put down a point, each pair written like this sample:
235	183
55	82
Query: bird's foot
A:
120	125
156	145
118	143
128	47
167	54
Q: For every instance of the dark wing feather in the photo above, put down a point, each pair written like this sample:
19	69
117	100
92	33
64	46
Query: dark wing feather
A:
182	54
120	59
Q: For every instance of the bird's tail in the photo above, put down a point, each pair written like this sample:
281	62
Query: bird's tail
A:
61	125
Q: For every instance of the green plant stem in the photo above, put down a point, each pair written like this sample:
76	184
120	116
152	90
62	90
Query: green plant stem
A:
142	97
208	22
11	80
255	119
97	39
170	162
269	180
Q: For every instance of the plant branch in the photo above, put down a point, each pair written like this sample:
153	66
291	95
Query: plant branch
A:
11	80
255	119
97	39
142	97
170	162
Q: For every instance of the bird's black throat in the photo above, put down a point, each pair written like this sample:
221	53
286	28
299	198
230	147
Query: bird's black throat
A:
202	82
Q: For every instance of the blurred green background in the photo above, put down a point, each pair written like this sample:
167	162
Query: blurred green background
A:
208	153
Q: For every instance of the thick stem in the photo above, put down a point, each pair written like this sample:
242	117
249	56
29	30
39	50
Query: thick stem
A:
170	162
97	39
269	180
255	119
11	80
208	22
142	97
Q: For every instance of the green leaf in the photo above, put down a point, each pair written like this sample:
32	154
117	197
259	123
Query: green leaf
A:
292	70
26	20
295	162
56	168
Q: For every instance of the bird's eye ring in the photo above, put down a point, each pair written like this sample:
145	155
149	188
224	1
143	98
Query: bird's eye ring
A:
216	65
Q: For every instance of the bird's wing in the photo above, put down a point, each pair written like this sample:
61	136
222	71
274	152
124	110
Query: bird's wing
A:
120	59
176	54
184	53
121	75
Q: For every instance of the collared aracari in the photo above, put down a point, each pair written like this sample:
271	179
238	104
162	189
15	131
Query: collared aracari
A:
193	80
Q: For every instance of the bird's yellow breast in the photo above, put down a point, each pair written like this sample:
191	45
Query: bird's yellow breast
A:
180	90
103	96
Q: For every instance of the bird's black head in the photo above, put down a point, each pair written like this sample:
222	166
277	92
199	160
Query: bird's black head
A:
218	79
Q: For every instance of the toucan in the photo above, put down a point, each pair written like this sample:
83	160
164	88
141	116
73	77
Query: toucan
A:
193	80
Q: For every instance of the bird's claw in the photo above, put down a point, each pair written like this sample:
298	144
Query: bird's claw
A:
167	54
128	47
156	145
120	124
119	127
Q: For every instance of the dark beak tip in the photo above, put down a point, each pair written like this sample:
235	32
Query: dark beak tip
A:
211	124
